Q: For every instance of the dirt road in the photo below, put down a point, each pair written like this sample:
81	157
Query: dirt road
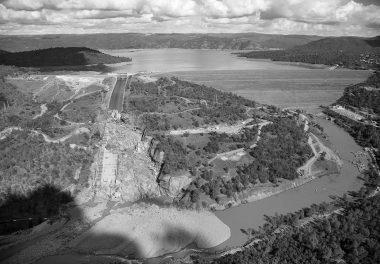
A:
221	128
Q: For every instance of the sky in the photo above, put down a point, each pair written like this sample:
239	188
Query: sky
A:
312	17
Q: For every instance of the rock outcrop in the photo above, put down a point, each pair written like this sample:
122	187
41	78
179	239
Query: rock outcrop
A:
173	184
132	174
130	167
155	153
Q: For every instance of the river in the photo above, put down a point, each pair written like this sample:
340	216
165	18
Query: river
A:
276	83
251	215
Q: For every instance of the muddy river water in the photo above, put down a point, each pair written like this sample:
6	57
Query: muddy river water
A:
250	215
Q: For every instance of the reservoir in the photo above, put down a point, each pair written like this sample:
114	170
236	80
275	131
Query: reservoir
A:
276	83
280	84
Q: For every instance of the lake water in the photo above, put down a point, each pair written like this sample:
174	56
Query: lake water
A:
276	83
280	84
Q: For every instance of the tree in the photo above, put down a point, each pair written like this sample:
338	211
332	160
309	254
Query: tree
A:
212	147
326	253
194	196
263	177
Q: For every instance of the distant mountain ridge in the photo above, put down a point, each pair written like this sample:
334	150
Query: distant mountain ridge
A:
236	41
351	52
70	56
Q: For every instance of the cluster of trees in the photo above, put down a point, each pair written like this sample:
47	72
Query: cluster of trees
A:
23	118
177	87
138	87
24	170
221	114
44	124
350	236
21	106
282	149
276	221
3	101
155	122
143	104
175	157
71	56
216	186
374	80
243	139
47	122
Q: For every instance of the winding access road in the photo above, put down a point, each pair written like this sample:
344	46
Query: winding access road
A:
117	96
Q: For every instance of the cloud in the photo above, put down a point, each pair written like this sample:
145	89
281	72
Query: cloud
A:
323	17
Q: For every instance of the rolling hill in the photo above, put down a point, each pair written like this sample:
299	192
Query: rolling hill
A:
71	56
238	41
350	52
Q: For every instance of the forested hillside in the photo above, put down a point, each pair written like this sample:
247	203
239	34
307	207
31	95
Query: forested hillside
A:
73	56
350	52
364	95
238	41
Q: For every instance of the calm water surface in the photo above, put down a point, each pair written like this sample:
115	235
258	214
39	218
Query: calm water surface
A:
276	83
280	84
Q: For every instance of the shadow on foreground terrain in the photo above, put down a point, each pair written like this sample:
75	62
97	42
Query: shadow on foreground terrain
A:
47	204
19	212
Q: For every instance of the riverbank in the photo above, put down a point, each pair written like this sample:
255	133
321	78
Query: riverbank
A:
251	215
308	172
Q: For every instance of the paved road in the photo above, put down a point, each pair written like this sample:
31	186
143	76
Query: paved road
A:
117	97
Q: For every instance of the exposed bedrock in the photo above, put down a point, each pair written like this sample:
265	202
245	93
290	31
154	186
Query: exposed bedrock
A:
171	184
